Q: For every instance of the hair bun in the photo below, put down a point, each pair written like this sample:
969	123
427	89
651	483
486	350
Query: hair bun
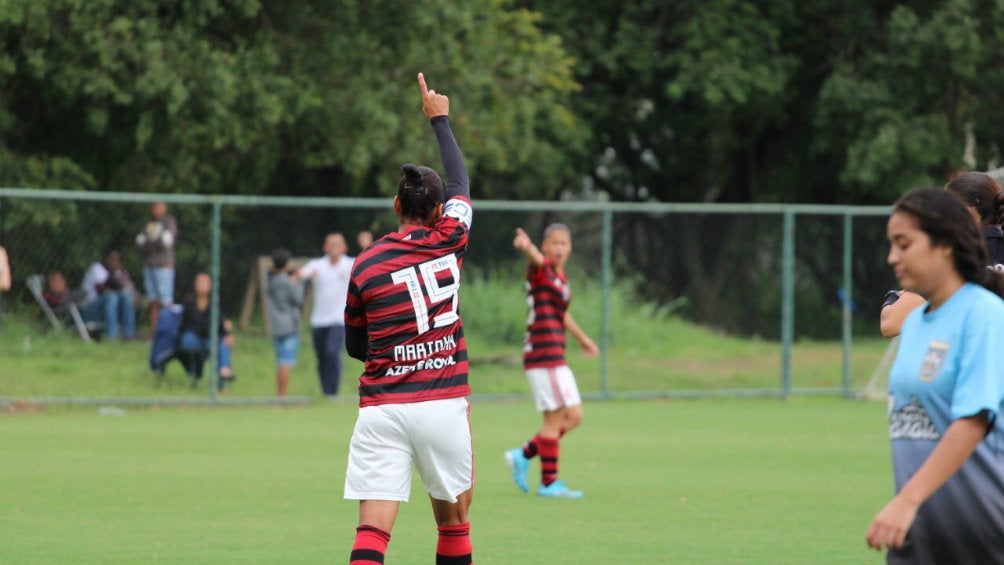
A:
412	173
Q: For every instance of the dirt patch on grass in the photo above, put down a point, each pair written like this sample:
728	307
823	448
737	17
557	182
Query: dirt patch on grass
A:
21	407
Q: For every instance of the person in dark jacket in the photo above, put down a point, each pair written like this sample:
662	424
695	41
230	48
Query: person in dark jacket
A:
194	332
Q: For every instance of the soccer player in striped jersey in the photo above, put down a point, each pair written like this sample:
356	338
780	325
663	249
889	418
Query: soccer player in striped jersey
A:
402	320
551	380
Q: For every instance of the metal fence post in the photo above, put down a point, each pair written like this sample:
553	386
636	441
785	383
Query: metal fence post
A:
606	278
787	300
847	303
214	307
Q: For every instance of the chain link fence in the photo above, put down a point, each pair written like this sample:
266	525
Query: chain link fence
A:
684	299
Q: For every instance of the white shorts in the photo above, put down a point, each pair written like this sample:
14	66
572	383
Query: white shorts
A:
553	388
435	436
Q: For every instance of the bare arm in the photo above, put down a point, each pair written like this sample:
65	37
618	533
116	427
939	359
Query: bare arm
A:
892	316
523	244
890	526
4	270
588	345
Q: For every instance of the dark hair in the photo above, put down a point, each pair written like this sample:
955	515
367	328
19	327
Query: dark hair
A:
943	216
980	191
419	192
280	258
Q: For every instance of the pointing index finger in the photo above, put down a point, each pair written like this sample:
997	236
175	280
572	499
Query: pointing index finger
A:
421	84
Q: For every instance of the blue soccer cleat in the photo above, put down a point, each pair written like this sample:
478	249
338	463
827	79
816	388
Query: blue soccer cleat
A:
558	489
519	465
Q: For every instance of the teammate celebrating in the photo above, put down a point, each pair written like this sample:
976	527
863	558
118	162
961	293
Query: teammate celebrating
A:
551	380
402	320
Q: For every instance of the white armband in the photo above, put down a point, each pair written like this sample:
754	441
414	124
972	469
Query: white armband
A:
461	210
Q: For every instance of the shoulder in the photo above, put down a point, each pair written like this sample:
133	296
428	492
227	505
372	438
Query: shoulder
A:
981	299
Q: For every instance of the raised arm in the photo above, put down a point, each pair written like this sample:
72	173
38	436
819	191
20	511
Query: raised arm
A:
524	245
437	109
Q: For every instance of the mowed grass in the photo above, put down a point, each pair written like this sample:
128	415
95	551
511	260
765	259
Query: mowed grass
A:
723	481
646	353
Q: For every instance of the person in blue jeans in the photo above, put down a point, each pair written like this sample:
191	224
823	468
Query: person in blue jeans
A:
110	296
283	297
194	334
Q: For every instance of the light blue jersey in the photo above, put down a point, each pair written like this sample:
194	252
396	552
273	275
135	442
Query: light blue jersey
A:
950	365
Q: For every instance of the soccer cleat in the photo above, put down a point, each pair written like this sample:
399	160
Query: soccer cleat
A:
558	489
519	465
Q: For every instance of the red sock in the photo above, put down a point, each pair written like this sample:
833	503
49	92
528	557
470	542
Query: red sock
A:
454	547
370	547
530	448
548	459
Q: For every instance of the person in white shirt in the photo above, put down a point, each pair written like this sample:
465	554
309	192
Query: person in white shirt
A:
329	276
109	296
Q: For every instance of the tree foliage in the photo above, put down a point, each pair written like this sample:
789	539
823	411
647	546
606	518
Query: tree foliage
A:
242	96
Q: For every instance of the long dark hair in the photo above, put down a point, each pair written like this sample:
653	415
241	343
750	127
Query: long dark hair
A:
982	192
943	216
420	191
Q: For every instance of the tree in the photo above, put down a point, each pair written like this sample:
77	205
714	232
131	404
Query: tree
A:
311	97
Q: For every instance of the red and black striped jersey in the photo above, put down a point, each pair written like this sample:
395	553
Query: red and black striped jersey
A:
404	293
547	296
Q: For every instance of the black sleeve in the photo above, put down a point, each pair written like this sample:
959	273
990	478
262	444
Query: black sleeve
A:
453	161
356	342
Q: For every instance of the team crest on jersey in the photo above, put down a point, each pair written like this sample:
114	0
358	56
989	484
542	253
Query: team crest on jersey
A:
937	351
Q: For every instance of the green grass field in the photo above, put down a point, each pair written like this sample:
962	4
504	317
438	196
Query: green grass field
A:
715	481
646	354
670	482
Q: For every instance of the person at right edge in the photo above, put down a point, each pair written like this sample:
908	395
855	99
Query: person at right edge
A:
402	319
946	391
985	201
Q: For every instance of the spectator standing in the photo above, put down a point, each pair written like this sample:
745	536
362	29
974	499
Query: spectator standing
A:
156	245
364	239
330	278
4	272
283	297
109	296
